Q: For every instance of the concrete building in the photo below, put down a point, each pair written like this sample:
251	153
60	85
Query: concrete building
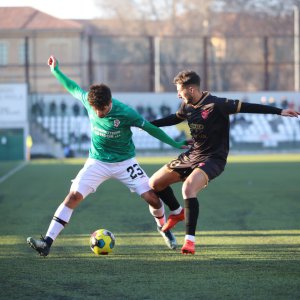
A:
24	28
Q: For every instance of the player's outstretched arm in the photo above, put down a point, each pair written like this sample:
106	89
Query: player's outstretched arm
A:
267	109
167	121
290	113
72	87
162	136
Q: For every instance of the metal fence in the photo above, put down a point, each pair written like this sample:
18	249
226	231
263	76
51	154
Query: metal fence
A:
148	64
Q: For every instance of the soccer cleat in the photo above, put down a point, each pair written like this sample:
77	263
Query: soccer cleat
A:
169	238
188	247
173	220
39	245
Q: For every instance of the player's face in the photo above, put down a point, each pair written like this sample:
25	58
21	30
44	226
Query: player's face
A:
101	113
185	93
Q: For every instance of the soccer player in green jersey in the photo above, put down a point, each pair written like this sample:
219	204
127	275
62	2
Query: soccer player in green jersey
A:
112	155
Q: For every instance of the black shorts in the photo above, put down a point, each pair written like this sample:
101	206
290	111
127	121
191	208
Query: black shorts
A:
184	166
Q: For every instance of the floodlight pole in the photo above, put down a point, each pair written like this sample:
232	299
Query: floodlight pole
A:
296	49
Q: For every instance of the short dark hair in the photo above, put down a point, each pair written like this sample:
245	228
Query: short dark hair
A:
99	95
187	77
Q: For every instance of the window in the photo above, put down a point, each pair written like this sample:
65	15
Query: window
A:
3	53
21	53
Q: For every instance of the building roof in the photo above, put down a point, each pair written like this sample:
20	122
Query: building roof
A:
28	18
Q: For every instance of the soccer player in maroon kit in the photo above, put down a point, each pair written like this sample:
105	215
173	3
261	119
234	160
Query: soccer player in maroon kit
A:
208	120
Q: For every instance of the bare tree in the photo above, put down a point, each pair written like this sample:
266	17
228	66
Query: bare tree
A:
248	21
270	7
177	16
164	18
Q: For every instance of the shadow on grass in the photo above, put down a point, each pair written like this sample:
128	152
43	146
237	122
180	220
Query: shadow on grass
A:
249	252
137	270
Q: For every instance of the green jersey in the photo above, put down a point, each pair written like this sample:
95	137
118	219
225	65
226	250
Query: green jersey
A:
111	136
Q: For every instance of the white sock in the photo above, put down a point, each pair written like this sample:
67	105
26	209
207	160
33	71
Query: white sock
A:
54	229
190	238
158	214
64	213
176	211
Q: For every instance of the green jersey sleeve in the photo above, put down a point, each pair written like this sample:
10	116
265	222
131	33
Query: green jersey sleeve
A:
161	135
138	121
71	86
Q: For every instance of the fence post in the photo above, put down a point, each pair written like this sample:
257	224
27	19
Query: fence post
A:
205	64
296	49
27	66
157	64
266	64
90	60
151	64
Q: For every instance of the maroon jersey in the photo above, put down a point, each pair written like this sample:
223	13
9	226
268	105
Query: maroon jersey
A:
209	124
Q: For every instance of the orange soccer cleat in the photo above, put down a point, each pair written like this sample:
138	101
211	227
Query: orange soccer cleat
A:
188	247
173	220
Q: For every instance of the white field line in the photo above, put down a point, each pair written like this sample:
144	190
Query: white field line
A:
13	171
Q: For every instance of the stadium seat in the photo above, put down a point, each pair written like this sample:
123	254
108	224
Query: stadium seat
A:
266	130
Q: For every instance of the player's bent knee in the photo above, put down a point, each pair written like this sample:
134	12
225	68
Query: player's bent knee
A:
153	183
189	191
152	199
157	185
73	199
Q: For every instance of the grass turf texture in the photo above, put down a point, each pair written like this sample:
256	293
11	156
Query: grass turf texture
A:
247	245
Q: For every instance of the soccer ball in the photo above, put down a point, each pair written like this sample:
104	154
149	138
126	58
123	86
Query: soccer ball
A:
102	242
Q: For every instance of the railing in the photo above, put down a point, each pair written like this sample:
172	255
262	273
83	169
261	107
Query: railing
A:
148	64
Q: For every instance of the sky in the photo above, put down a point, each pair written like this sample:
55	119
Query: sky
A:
63	9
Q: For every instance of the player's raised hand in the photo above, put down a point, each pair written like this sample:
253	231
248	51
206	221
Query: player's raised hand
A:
52	62
290	113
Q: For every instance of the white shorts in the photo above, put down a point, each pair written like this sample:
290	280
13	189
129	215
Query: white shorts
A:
96	172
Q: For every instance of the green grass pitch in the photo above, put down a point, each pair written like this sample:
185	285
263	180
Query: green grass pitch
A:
248	238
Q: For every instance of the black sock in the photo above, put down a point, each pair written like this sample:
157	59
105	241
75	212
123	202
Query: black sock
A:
48	240
191	212
168	197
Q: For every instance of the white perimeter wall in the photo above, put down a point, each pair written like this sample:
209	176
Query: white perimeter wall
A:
14	108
